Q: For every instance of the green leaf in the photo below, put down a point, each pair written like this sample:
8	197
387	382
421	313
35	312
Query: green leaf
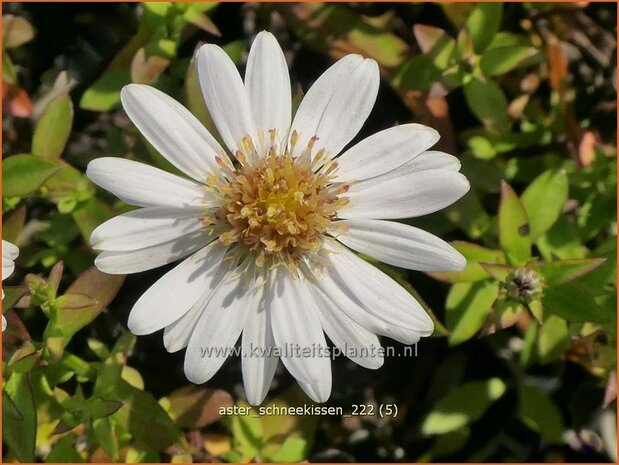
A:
529	346
418	73
53	128
65	451
96	289
104	94
543	201
19	416
24	174
564	271
9	74
436	44
573	303
500	60
497	271
561	241
449	443
286	438
293	450
104	433
195	15
468	306
483	23
102	408
462	405
514	233
508	39
553	339
473	271
541	414
469	214
488	103
140	415
482	148
24	358
247	434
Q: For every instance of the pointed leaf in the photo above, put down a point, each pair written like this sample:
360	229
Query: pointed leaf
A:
19	417
462	405
543	201
53	128
24	174
573	303
468	306
483	23
488	103
500	60
514	232
100	288
104	94
553	339
541	414
564	271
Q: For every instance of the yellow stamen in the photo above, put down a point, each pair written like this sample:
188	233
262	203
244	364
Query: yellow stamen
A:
277	208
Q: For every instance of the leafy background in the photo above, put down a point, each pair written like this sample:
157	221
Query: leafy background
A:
523	93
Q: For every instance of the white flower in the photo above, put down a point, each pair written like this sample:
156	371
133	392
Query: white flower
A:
264	234
10	252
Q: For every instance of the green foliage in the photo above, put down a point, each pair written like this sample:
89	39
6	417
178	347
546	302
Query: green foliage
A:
514	227
24	174
462	405
53	128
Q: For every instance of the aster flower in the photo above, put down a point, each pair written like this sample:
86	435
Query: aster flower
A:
266	235
10	252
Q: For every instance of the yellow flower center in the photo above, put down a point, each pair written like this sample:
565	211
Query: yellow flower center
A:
278	208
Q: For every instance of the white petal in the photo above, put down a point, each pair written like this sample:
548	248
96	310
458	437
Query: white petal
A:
400	245
355	342
145	227
371	298
258	357
342	296
3	322
296	328
9	250
143	185
337	105
176	336
318	392
404	195
155	256
8	266
268	86
172	130
218	329
177	291
379	292
385	151
225	95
